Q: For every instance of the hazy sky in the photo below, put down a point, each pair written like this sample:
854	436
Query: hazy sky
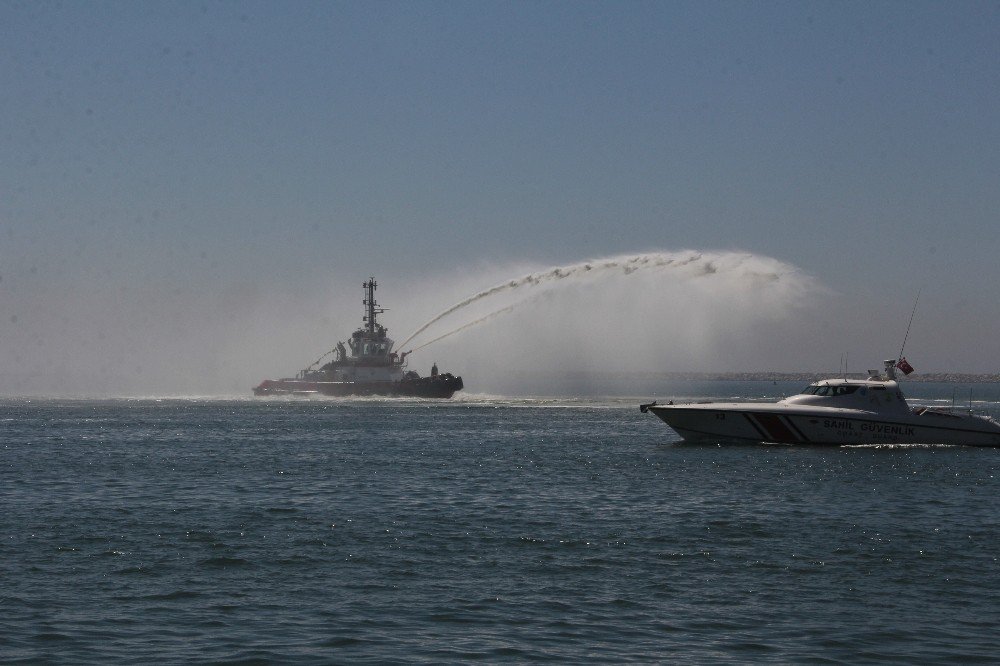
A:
184	183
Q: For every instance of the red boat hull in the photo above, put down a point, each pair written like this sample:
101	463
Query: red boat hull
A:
439	386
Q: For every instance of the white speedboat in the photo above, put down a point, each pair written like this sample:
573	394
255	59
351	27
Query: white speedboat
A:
831	411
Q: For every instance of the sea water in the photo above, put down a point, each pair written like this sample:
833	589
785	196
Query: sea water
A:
481	529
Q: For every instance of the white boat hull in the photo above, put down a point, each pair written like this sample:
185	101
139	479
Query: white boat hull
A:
753	423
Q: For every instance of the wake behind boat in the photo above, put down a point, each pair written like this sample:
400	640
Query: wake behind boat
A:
370	368
831	411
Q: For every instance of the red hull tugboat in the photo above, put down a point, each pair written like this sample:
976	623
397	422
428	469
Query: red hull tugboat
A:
371	367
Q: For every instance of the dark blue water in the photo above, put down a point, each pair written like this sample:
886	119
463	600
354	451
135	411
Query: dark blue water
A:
319	531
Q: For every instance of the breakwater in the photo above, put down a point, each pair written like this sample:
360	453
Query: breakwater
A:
767	376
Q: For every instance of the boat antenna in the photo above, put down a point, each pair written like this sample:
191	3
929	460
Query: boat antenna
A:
913	312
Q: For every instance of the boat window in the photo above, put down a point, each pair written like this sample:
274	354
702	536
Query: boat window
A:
829	390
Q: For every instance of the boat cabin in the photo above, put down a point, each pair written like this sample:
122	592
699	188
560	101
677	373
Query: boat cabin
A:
870	395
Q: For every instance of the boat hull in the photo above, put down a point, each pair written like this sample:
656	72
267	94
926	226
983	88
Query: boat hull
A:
754	424
439	386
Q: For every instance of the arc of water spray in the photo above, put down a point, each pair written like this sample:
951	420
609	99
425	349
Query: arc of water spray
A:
491	315
626	265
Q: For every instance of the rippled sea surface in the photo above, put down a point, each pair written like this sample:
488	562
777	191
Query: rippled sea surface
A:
489	529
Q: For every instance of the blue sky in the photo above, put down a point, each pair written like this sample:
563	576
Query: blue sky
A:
201	150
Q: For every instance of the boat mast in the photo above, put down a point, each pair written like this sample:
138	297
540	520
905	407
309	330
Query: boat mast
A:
373	308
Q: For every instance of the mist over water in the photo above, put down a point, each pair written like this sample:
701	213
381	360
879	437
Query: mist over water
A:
651	312
644	312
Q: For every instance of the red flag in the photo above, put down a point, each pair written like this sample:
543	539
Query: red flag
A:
904	366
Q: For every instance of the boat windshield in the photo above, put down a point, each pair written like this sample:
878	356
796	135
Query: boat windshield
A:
824	389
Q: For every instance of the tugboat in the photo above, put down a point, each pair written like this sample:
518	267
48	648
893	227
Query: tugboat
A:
371	367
